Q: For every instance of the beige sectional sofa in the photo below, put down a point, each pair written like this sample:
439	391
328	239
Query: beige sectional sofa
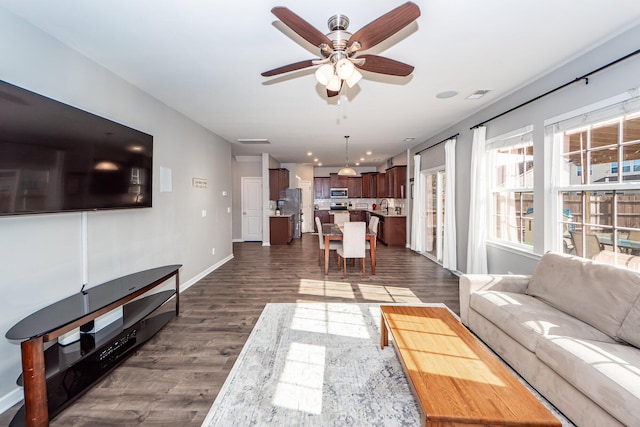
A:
571	329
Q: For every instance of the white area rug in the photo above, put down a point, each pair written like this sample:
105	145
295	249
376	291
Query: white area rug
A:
318	364
315	365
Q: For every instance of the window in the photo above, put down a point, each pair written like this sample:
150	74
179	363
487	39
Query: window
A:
510	159
598	215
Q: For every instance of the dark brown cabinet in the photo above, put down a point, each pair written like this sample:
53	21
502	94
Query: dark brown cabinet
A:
324	218
392	231
321	187
381	185
396	182
358	216
369	184
337	181
278	182
354	184
281	229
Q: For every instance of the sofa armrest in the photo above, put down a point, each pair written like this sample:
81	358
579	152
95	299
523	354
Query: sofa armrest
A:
470	283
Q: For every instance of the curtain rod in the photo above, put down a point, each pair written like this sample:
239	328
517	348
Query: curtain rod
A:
577	79
431	146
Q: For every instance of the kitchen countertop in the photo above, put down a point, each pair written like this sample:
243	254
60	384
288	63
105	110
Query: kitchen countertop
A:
376	212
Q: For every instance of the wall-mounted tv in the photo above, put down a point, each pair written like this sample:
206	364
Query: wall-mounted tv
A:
58	158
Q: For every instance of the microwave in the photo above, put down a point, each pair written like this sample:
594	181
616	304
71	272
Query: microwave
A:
339	193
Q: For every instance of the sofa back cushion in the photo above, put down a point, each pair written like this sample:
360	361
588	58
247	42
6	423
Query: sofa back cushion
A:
598	294
630	329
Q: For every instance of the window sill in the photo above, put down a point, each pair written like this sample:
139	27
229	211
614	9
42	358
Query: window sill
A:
521	250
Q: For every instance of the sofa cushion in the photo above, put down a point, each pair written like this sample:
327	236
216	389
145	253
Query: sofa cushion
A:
630	329
607	373
525	318
598	294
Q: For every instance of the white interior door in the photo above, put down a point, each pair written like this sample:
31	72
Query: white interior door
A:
251	209
307	207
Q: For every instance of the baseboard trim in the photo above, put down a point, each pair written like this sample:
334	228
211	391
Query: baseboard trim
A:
196	278
10	399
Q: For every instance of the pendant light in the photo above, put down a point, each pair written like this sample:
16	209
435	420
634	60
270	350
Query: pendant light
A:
347	171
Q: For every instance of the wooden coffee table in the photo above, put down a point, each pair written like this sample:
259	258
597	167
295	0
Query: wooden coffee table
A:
455	378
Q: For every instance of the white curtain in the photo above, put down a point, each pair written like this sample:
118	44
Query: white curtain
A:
477	243
449	257
418	214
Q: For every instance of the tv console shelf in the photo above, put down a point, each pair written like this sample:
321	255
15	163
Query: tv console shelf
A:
54	377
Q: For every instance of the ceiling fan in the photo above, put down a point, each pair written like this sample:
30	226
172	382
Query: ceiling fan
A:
340	50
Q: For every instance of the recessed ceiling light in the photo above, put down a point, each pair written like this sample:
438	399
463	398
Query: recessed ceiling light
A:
362	159
479	94
320	164
309	153
447	94
357	163
369	153
315	160
409	139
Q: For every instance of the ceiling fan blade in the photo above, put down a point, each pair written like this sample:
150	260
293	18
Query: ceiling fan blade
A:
382	65
385	26
300	26
288	68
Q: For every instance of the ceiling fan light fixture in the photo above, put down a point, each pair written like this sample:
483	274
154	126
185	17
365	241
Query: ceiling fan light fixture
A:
324	74
344	68
354	78
334	83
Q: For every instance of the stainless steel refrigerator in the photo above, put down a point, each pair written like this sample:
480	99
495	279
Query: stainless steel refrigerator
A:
291	204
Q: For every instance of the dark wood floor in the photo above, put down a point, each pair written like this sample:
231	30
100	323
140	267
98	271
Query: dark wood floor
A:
174	378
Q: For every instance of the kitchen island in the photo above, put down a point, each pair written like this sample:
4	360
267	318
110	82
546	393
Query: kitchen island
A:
281	229
392	226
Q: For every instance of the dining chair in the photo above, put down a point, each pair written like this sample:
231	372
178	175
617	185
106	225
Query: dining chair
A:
333	244
340	218
373	228
353	244
592	244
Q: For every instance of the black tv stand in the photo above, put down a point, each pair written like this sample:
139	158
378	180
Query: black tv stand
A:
55	377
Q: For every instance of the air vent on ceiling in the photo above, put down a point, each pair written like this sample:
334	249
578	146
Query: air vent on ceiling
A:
479	94
253	141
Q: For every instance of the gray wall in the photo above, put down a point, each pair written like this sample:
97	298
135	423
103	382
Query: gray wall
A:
610	82
41	256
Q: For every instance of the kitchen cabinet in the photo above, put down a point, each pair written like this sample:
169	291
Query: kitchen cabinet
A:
396	182
358	216
392	230
321	187
381	185
278	182
369	187
354	184
281	229
324	218
337	181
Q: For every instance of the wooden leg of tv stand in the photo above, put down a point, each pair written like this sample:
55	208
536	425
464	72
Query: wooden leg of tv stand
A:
35	383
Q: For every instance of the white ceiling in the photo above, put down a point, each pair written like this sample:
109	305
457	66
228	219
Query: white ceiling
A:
204	58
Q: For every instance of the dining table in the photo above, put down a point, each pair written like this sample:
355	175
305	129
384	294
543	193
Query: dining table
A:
334	232
626	245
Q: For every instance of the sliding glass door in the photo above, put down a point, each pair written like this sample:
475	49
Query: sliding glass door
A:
435	182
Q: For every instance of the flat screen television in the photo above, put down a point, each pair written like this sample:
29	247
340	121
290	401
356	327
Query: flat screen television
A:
58	158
